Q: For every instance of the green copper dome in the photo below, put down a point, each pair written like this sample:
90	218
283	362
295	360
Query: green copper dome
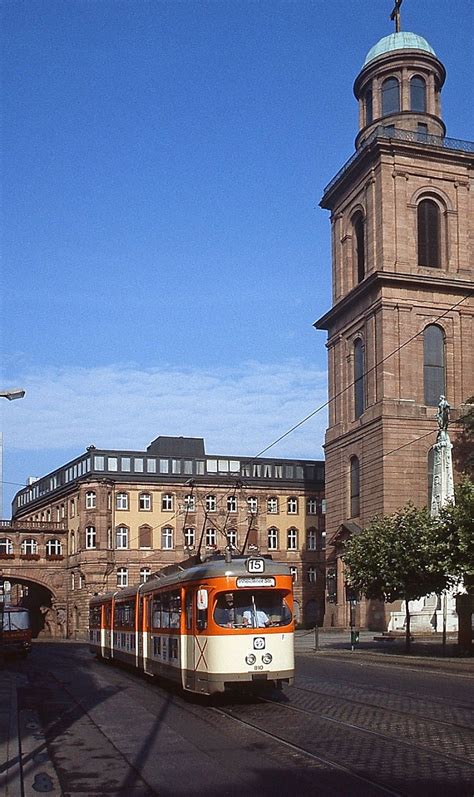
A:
398	41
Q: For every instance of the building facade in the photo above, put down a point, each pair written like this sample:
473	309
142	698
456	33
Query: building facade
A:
400	328
112	518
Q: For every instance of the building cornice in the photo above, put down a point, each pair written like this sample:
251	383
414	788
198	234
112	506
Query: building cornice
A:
381	278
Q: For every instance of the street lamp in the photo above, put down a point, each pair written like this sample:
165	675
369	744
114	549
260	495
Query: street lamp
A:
14	393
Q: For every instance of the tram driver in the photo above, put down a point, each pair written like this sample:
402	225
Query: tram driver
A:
225	611
256	618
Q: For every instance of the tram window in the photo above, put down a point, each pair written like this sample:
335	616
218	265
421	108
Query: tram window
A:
124	614
94	617
166	610
189	610
254	609
16	621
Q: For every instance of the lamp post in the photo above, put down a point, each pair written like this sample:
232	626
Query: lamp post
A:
11	395
14	393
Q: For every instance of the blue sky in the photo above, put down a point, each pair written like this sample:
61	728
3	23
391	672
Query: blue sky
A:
164	255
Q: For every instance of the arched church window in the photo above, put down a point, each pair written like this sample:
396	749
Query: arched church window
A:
368	107
418	94
359	388
359	248
390	96
434	376
355	487
428	224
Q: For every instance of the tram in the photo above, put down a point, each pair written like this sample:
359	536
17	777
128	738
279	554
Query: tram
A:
210	626
16	630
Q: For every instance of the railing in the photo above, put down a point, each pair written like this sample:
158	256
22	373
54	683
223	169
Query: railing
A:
32	525
403	135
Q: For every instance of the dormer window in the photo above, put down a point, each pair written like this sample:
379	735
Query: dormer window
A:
418	94
390	96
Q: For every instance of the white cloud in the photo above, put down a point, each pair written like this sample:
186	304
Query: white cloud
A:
238	410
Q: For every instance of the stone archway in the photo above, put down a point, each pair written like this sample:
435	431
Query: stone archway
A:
48	615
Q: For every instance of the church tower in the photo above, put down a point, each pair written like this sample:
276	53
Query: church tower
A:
400	329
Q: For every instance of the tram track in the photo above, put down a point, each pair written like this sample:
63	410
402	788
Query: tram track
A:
363	760
467	726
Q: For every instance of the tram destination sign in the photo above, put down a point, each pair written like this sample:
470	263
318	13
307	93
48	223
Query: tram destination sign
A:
256	581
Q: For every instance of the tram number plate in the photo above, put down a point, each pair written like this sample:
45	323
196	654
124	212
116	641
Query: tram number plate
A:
256	582
256	565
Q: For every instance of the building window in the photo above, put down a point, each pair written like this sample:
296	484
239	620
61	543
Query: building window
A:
312	540
121	501
144	502
121	537
368	107
73	542
190	503
292	505
418	94
273	539
53	548
6	546
91	537
355	487
312	506
145	537
73	507
122	577
358	225
145	574
434	376
167	502
189	537
167	538
359	387
90	499
272	505
252	505
429	238
292	539
211	537
294	573
231	503
390	96
312	575
421	131
232	538
211	503
29	547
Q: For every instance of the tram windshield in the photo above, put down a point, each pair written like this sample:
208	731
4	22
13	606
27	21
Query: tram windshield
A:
16	621
251	609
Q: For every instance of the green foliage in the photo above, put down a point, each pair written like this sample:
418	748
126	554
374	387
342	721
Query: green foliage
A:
398	557
456	533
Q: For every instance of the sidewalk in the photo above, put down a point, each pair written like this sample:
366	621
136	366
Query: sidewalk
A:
10	775
25	766
426	651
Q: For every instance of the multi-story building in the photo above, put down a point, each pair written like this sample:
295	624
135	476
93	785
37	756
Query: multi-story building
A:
400	329
122	515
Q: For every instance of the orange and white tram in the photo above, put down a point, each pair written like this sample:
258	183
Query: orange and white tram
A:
209	626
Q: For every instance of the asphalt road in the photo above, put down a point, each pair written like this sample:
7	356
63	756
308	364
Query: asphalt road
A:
355	725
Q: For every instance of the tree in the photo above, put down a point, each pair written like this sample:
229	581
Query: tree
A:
398	557
456	548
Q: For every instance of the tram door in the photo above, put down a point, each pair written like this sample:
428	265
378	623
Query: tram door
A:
189	662
139	631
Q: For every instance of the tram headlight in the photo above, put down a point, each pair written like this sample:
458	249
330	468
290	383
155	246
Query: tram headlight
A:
267	658
250	659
